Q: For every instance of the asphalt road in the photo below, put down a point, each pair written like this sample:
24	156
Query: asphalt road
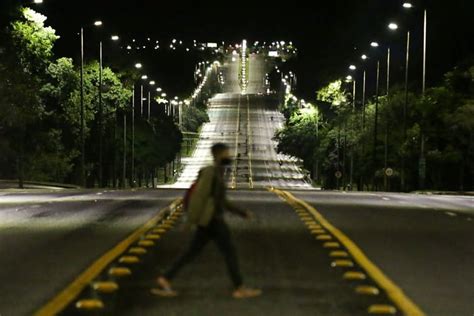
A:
247	122
423	243
47	239
277	253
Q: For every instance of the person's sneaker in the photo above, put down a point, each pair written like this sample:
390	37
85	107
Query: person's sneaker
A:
244	292
164	288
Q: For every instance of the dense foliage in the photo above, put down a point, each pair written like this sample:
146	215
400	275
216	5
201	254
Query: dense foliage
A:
436	153
40	135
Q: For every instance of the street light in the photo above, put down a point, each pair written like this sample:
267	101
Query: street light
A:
82	110
152	83
352	67
374	44
144	77
115	37
38	1
364	57
405	105
393	26
159	89
138	65
422	162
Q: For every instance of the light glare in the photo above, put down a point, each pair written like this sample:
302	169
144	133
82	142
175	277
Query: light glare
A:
393	26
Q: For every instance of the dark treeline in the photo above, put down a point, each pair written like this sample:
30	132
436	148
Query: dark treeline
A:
435	151
40	115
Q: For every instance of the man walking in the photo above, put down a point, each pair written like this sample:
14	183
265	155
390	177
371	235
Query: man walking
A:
206	211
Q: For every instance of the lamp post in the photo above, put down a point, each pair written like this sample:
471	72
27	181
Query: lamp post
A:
83	168
422	161
405	106
350	78
97	23
393	26
377	84
385	177
132	158
101	110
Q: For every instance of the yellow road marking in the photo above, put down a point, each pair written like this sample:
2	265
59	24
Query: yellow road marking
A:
403	302
66	296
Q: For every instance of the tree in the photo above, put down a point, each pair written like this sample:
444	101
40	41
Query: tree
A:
24	59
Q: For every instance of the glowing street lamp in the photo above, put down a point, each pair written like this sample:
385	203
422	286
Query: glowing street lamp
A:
37	1
364	57
159	89
352	67
374	44
98	23
407	5
152	83
393	26
115	37
144	77
138	65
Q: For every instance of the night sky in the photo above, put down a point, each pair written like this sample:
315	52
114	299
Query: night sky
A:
329	34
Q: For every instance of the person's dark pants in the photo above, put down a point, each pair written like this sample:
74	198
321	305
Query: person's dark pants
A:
218	231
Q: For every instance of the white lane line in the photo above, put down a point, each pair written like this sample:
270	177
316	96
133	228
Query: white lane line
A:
237	131
451	214
249	148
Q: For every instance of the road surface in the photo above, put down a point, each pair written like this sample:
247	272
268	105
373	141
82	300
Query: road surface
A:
247	122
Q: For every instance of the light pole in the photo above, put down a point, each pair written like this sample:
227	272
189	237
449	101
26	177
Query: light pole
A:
124	157
100	116
377	83
82	110
393	26
385	177
422	161
405	106
83	168
132	158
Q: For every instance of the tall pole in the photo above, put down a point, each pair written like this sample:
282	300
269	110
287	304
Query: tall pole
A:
149	105
132	169
376	116
141	100
100	117
351	172
124	165
83	168
385	164
422	162
425	27
405	106
180	115
363	99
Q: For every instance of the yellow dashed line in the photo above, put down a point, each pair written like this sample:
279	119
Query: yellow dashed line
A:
394	292
66	296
